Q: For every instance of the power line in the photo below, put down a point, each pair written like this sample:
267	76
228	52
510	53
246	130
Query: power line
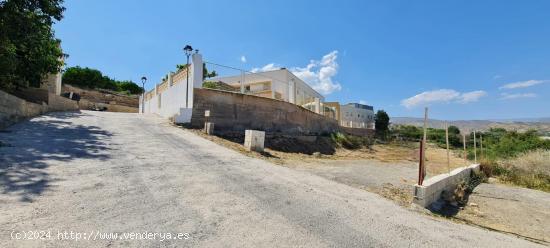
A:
242	70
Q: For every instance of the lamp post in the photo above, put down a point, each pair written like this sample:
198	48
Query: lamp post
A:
188	50
143	80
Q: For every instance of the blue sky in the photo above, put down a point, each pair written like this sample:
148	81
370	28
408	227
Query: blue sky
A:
463	59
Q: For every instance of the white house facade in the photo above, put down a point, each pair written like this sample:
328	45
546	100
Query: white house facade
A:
357	115
277	84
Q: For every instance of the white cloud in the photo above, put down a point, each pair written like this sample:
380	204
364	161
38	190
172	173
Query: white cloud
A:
268	67
472	96
442	95
497	76
506	96
243	59
363	102
319	74
427	97
523	84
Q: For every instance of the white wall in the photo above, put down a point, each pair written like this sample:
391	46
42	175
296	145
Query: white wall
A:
172	103
351	116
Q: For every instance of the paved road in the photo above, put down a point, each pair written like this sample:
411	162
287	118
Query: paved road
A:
96	172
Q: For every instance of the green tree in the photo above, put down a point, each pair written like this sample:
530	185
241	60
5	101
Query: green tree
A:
28	47
85	77
205	73
94	79
381	123
453	130
130	87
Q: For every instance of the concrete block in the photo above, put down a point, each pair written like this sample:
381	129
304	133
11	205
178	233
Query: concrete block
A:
430	191
254	140
209	128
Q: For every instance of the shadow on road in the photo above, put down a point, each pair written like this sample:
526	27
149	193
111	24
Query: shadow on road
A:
30	147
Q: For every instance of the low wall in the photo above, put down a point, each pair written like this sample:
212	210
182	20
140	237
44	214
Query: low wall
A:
35	95
14	109
59	103
363	132
235	112
431	189
87	104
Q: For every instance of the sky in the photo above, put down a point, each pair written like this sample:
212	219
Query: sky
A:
463	60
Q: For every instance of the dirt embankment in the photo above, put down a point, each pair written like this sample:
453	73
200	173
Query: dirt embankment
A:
104	99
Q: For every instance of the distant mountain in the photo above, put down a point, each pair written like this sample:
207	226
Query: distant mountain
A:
540	124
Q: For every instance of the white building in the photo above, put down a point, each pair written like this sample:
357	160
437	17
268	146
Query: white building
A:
278	84
357	115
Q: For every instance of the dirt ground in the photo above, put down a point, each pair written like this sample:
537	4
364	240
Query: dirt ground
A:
520	211
390	170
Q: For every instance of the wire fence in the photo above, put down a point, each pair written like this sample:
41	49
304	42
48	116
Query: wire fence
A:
439	157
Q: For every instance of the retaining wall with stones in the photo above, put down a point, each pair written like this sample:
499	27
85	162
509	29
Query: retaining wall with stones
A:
59	103
431	189
14	109
235	112
364	132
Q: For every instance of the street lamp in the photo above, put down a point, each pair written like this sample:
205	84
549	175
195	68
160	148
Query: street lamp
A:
188	50
143	80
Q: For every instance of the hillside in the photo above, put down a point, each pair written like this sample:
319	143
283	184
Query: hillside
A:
110	100
540	124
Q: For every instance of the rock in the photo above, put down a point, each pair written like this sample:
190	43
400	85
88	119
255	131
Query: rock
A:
471	204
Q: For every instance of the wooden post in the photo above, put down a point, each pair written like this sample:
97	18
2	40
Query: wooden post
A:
481	146
465	154
421	165
424	141
447	141
475	148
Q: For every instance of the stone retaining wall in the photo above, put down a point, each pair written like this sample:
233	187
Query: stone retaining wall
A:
14	109
235	112
59	103
363	132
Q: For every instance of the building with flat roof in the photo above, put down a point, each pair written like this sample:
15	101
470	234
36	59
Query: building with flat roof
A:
277	84
356	115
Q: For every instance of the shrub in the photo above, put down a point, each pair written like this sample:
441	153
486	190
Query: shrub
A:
508	173
413	133
349	141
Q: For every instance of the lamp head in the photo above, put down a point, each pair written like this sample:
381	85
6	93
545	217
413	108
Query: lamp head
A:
188	49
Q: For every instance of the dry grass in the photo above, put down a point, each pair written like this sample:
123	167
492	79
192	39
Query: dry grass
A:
393	152
537	162
530	170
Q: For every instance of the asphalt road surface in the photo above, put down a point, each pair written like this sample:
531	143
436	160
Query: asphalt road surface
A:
98	179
